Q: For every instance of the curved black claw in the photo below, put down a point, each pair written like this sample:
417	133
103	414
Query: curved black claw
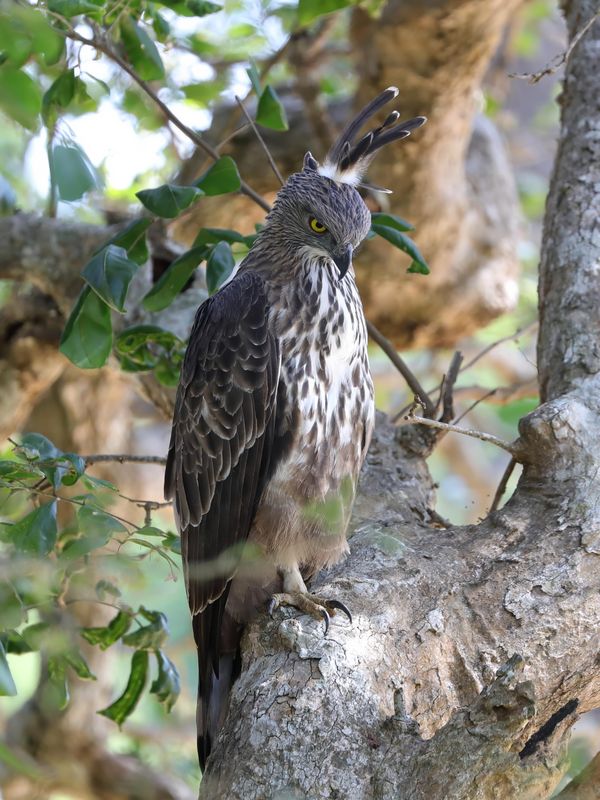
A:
326	618
271	606
337	604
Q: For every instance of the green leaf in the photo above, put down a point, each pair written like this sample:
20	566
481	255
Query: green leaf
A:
109	273
219	266
58	96
72	8
169	200
20	97
97	528
35	533
38	636
123	707
167	685
79	665
141	347
108	635
7	684
391	221
149	637
104	587
37	446
215	235
133	239
402	242
72	171
58	693
200	8
252	73
87	337
12	608
311	9
141	50
221	178
173	279
58	467
203	92
24	31
15	643
270	112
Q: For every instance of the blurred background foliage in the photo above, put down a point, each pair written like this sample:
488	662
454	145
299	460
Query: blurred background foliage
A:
79	140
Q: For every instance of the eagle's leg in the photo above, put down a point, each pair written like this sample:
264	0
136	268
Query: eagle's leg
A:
296	595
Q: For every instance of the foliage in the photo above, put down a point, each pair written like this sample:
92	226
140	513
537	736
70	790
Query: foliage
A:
58	530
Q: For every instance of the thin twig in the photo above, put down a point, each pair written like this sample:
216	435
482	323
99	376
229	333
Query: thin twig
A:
125	458
413	382
447	393
105	48
72	501
488	348
412	419
503	484
267	152
558	60
474	404
230	136
500	395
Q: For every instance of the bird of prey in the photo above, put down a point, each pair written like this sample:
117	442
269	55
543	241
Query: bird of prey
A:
274	413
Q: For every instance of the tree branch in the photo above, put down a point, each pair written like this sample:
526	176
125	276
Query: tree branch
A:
513	449
388	348
102	45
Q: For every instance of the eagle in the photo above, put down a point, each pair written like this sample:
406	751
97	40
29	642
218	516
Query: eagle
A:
274	413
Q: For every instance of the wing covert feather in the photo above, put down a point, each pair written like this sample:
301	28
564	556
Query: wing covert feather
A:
221	440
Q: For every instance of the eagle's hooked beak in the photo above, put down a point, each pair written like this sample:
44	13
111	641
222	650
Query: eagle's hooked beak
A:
343	259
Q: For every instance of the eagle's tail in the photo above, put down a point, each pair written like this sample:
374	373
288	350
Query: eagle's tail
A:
217	672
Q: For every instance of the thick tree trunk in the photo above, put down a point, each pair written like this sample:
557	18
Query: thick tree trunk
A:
473	649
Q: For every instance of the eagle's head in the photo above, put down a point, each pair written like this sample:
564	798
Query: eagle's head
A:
319	211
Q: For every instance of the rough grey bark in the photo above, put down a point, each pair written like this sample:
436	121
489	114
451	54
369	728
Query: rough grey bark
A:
473	648
452	179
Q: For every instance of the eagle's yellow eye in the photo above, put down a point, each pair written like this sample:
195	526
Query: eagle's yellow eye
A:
317	226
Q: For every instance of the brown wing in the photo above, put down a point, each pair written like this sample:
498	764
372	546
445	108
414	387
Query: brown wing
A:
221	446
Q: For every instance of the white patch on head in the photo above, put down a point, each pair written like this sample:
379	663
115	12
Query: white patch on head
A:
350	176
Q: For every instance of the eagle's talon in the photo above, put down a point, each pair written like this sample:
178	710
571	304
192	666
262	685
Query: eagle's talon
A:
337	604
272	604
314	606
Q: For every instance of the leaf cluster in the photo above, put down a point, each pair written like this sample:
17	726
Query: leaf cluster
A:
56	525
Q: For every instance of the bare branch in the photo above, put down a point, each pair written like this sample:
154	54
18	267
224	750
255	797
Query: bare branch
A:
503	484
515	451
448	390
530	327
388	348
261	140
126	458
104	46
559	60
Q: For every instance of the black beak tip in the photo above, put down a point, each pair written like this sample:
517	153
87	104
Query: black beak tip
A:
343	260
